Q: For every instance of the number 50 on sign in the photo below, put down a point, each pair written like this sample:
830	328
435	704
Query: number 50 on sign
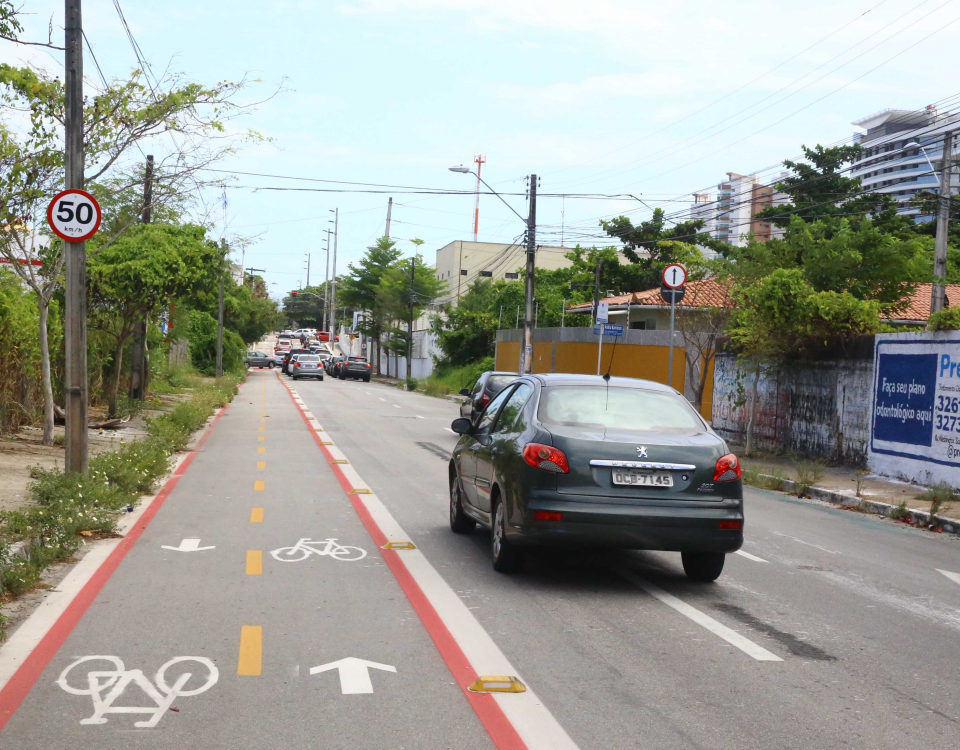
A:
74	215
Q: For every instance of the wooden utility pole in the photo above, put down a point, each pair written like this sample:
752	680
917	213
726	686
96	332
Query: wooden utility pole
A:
389	212
75	253
138	360
938	295
526	356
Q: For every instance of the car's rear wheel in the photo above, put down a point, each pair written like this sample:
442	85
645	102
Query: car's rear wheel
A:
703	566
460	522
271	365
506	556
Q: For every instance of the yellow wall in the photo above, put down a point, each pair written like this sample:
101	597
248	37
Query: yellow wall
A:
629	361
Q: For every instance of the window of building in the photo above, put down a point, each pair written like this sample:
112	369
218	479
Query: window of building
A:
463	271
511	276
638	325
486	274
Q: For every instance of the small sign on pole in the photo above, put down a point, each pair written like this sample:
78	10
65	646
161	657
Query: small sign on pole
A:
603	312
672	291
74	215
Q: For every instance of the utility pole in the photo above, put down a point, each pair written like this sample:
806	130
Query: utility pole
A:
527	352
308	269
326	286
938	295
223	272
389	212
596	291
333	279
75	260
413	295
480	161
138	360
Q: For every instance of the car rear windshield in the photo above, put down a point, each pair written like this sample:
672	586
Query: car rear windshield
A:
308	358
358	359
614	408
497	383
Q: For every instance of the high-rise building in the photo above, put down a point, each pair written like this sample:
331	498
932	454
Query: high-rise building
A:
729	216
899	148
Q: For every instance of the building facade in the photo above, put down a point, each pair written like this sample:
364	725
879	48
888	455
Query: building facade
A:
729	216
903	154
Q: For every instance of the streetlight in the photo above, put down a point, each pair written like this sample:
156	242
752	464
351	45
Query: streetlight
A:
531	223
916	144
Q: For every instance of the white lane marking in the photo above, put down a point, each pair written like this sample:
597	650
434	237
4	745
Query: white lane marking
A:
354	674
815	546
188	545
955	577
730	636
749	556
449	430
396	406
419	417
115	681
383	399
532	720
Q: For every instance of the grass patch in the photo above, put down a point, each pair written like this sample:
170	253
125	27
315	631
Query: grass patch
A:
808	474
449	380
941	498
69	508
900	512
771	481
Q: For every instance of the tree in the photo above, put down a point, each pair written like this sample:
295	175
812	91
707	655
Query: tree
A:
305	307
115	119
360	290
146	267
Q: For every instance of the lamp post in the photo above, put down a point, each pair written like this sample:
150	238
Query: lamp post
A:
531	223
916	144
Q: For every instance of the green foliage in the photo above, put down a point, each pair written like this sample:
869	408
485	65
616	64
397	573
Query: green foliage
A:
644	244
360	288
808	474
202	334
900	512
948	319
305	309
465	336
941	497
446	379
766	481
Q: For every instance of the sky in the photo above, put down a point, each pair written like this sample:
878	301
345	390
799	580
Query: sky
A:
654	100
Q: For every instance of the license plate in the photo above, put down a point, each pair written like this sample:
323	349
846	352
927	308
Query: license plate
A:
642	478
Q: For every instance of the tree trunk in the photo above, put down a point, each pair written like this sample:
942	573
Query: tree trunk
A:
115	380
754	388
44	307
379	357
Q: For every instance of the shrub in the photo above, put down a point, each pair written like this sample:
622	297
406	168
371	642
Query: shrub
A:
772	481
941	497
808	474
900	511
947	319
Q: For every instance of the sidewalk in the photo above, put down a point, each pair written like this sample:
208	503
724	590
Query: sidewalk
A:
840	485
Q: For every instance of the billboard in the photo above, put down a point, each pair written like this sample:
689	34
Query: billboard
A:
915	416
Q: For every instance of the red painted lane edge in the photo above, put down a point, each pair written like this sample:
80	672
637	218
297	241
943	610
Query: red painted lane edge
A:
498	726
33	666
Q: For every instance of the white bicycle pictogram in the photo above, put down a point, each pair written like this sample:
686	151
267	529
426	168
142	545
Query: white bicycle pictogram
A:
105	686
324	548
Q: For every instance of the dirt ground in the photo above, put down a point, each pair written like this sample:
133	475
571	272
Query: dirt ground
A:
20	451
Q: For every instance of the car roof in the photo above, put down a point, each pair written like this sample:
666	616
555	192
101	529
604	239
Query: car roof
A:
564	378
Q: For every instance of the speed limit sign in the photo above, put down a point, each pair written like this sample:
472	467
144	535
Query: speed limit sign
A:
74	215
674	276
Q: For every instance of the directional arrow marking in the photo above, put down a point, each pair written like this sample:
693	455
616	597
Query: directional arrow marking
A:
188	545
955	577
354	674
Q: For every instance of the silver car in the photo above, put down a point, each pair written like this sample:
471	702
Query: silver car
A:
306	366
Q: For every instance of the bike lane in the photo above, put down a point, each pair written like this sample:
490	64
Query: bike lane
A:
201	594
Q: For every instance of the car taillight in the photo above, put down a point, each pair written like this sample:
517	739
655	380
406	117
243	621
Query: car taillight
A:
296	364
547	515
484	400
730	525
368	365
546	457
727	470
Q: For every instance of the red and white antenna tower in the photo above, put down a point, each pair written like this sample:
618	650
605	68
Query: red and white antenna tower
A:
478	160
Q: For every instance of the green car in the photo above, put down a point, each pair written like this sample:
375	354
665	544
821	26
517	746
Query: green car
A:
590	461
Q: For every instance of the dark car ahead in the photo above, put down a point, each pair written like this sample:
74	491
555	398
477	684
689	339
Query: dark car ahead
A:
488	385
285	365
579	460
355	367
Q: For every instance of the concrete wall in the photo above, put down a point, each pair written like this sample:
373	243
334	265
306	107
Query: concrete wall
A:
820	408
637	354
424	347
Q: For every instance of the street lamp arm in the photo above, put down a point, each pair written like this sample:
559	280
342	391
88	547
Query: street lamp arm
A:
498	195
309	294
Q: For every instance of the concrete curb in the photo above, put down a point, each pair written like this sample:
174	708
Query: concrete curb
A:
919	517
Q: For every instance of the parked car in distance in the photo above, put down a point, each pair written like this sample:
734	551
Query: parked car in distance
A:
488	385
282	344
259	359
306	366
583	460
355	367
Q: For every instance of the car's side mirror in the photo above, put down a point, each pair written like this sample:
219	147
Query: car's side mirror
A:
461	426
464	391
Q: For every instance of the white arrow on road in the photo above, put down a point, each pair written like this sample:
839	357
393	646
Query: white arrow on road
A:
955	577
354	674
188	545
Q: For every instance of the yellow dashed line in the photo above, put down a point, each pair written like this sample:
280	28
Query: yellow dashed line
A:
256	515
263	420
251	651
254	562
261	464
258	485
261	450
261	437
262	429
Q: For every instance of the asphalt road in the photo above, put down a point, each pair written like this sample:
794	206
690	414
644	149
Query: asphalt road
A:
834	630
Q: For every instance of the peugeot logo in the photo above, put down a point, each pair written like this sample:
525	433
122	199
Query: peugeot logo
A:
641	451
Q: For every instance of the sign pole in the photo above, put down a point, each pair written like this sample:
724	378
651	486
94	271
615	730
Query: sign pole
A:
673	307
600	349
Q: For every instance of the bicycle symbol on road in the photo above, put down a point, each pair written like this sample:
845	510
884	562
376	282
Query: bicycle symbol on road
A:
105	686
326	547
